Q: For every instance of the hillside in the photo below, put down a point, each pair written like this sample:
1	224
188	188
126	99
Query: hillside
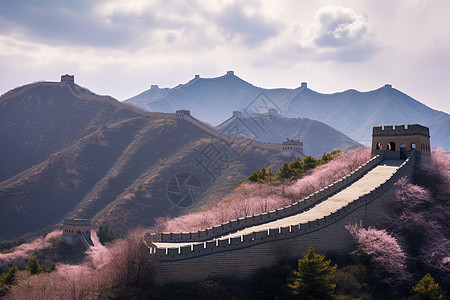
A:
352	112
317	137
68	152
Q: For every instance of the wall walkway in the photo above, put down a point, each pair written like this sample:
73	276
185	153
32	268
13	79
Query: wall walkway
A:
243	251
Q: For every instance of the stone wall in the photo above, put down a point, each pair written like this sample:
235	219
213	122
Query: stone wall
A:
232	140
241	256
292	209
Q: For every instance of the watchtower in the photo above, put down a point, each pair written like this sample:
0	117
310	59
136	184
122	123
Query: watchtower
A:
237	113
68	79
77	230
292	147
273	113
397	142
182	112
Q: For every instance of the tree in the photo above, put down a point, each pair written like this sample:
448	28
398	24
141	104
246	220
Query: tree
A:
9	277
107	235
52	267
309	163
34	266
427	289
261	175
132	265
313	279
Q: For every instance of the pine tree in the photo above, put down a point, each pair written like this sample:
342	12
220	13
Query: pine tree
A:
313	279
9	277
427	289
34	266
261	175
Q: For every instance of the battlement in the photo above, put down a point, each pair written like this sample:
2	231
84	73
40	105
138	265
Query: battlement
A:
196	76
69	79
413	129
304	85
154	87
77	222
230	72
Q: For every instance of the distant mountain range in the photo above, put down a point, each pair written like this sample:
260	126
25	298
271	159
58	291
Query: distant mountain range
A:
67	152
352	112
317	137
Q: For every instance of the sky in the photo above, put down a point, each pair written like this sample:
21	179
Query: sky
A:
121	48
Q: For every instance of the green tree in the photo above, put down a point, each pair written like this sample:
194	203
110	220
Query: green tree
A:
313	279
261	175
34	266
285	172
52	267
106	235
309	163
427	289
327	157
9	277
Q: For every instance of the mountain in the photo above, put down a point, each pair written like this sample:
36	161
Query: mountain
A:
209	99
67	152
317	137
352	112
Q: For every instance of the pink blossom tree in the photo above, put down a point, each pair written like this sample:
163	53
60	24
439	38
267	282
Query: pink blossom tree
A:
388	257
255	198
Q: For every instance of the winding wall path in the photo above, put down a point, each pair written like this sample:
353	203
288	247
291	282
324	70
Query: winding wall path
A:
322	225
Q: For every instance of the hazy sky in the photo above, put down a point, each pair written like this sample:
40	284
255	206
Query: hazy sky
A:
120	48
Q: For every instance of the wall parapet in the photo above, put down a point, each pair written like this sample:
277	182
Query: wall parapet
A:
412	129
275	234
286	211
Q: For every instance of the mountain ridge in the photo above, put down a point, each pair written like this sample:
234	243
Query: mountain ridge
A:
352	112
84	155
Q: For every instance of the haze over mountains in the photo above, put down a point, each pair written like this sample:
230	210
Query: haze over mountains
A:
317	137
352	112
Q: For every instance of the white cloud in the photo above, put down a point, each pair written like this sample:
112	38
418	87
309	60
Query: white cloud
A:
339	27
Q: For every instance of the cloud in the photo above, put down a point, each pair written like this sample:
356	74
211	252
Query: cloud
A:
58	23
132	24
247	24
339	27
342	35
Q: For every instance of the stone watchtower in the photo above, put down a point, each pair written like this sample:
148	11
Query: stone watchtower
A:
68	79
77	231
398	142
292	147
182	112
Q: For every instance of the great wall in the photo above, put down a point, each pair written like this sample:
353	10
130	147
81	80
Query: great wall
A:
230	140
240	247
